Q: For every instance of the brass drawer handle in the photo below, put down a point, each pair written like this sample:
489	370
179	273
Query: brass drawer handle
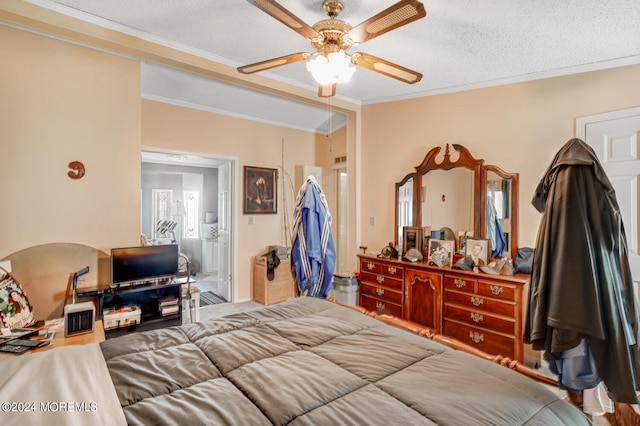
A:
379	291
392	270
380	279
459	283
476	317
380	306
496	289
476	337
371	266
476	301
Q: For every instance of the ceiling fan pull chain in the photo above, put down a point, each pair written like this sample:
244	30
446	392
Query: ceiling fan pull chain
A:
329	123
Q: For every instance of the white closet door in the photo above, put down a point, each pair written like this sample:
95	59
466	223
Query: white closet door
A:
615	138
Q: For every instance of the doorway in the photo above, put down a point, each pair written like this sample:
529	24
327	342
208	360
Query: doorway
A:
187	199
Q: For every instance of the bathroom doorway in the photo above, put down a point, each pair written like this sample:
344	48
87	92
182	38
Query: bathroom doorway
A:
187	199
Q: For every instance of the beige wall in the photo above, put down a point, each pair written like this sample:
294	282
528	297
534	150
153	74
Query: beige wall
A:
255	144
518	127
60	103
330	147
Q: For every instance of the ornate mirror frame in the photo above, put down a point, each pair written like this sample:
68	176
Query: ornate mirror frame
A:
465	160
480	192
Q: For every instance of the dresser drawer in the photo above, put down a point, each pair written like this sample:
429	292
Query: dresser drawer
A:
460	283
476	302
392	271
481	319
497	290
385	269
370	266
381	292
480	338
380	306
381	280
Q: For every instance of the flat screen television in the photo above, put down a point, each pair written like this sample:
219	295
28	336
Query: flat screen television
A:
131	265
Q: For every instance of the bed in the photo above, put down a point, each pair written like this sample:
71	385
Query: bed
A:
305	361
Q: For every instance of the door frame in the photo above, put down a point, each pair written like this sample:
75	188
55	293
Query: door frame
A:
582	122
200	159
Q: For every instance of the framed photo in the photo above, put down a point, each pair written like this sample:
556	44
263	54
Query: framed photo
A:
478	250
260	190
411	238
441	252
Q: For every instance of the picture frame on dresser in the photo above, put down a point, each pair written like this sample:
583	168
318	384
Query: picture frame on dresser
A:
441	252
411	238
478	249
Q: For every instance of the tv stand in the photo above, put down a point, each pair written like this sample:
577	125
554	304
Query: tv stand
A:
146	295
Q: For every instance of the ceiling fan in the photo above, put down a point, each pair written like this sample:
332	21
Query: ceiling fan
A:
333	37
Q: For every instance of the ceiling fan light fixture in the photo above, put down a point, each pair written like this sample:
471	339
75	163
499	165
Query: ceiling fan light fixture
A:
331	37
335	67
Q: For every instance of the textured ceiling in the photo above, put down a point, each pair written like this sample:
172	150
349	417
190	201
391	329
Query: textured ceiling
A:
461	44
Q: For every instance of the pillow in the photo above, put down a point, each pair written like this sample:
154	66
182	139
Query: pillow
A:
15	309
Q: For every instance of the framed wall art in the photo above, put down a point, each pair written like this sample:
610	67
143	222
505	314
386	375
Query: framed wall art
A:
411	238
441	252
260	190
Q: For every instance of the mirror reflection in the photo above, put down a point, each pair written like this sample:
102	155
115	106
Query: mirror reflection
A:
498	213
498	195
448	200
404	203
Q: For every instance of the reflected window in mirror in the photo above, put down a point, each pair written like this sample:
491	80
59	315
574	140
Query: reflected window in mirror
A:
405	194
498	196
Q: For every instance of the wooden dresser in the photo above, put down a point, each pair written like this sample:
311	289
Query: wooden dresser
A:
486	311
382	287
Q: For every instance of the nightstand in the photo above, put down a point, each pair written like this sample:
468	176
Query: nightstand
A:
96	336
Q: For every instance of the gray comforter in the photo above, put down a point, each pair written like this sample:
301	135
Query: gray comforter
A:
311	362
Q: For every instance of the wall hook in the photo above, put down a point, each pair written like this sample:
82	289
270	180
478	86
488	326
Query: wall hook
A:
78	170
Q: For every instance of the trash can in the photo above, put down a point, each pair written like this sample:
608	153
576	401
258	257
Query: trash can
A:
345	289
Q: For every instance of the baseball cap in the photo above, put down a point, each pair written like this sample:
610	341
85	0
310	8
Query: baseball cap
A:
413	255
465	263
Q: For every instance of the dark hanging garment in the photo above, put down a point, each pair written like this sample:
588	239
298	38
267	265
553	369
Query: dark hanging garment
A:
581	286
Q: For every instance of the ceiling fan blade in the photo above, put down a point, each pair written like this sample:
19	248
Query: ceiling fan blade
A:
385	67
395	16
276	10
326	90
272	63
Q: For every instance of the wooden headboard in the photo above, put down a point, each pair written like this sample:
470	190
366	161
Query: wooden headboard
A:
453	343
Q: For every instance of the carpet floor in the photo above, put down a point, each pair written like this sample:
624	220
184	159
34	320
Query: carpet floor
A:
223	309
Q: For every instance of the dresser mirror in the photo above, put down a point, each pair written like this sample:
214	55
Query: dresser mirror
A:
455	191
405	207
448	200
